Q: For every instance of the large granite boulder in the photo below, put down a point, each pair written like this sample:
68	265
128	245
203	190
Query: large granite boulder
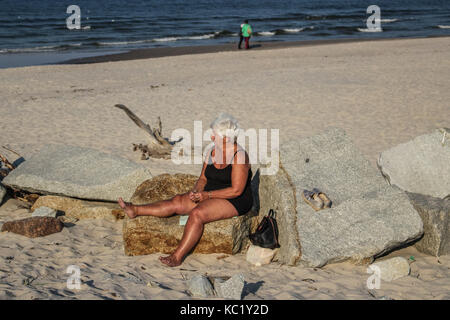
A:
34	227
368	217
146	234
421	165
78	172
435	214
2	193
80	209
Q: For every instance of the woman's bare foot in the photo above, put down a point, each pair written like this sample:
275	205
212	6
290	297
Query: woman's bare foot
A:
128	208
171	261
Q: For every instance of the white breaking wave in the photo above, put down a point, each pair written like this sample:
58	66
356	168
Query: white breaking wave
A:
443	27
38	49
166	39
121	43
205	36
266	33
388	20
370	30
294	30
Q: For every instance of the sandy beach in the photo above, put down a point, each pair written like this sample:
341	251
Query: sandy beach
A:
381	92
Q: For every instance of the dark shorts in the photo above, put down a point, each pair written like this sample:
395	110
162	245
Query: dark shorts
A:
242	203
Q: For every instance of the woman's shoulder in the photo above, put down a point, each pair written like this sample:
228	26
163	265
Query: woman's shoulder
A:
240	155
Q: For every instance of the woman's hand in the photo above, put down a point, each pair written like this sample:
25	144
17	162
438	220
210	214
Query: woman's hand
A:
192	195
199	196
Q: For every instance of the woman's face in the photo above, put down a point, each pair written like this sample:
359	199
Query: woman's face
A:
218	140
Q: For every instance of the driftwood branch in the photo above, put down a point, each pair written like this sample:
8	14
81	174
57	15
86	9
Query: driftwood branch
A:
6	163
27	198
11	151
158	147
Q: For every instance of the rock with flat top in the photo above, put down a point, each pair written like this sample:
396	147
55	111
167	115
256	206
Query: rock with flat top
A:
44	212
421	165
435	214
368	217
146	234
80	209
78	172
34	227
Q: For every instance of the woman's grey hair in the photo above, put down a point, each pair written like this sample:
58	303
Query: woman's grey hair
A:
226	126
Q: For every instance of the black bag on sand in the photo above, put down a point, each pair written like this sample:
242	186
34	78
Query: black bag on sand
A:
266	235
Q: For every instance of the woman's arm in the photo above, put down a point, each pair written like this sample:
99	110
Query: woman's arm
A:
199	185
201	182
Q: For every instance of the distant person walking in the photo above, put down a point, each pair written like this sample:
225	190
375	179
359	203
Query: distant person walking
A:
246	33
241	37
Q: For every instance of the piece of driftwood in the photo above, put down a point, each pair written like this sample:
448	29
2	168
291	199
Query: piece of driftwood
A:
26	197
8	166
158	146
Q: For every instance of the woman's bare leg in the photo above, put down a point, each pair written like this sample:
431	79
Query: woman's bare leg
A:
206	211
180	204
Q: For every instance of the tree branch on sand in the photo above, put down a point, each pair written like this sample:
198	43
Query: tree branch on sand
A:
6	167
158	146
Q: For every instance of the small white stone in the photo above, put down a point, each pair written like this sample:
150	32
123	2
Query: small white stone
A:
392	269
259	256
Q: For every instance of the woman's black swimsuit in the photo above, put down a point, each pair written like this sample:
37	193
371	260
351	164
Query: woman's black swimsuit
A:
221	178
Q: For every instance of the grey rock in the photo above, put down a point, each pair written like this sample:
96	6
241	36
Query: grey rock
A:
78	172
2	193
392	269
44	212
435	214
421	165
200	286
231	288
368	217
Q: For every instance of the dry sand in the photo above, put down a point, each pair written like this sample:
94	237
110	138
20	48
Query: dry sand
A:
382	93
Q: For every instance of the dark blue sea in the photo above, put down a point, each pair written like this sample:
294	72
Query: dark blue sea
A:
34	32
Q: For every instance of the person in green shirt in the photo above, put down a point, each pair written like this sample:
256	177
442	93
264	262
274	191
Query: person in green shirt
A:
247	33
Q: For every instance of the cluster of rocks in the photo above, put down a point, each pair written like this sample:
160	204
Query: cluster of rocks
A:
374	212
421	167
69	178
368	217
222	287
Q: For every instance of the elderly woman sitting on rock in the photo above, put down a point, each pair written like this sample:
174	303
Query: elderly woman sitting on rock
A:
222	191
